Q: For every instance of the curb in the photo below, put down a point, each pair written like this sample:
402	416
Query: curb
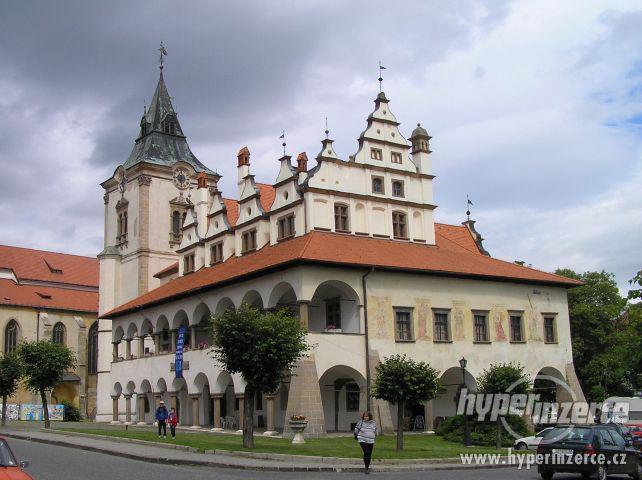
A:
224	464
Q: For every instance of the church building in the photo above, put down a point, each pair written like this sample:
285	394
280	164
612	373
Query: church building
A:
349	245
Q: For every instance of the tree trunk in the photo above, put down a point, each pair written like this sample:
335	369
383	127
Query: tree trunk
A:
248	418
45	409
4	410
400	407
499	433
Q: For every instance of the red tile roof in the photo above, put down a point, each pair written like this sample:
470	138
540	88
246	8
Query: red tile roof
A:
169	270
54	298
267	193
453	255
39	265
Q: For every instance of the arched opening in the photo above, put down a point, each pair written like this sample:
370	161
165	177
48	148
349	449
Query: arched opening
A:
283	296
92	349
224	304
181	320
145	403
161	389
229	415
182	401
445	404
59	334
117	338
11	336
205	403
164	339
334	308
146	334
65	392
550	384
201	320
343	395
253	299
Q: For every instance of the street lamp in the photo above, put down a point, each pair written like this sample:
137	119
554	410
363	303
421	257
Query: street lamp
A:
467	441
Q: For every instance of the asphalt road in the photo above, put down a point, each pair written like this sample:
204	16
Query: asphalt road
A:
50	462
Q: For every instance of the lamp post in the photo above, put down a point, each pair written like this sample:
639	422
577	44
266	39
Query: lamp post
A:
467	440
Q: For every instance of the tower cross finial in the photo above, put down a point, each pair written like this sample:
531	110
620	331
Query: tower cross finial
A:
163	53
381	67
468	204
327	132
284	144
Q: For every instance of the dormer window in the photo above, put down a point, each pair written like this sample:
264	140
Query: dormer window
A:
143	127
189	263
169	125
395	157
248	241
376	154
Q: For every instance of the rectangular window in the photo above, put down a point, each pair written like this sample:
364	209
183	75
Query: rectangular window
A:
216	252
333	313
248	241
286	227
341	223
395	157
188	263
399	225
377	185
403	325
352	397
480	326
442	330
516	333
397	188
376	154
549	329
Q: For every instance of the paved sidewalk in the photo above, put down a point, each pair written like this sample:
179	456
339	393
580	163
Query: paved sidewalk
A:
182	455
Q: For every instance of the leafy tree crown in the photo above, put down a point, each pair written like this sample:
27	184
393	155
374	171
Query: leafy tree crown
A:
11	371
500	377
399	378
45	363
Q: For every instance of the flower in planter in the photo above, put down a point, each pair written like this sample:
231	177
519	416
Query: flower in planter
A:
298	418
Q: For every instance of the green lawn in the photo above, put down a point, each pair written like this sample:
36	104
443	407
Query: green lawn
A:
415	446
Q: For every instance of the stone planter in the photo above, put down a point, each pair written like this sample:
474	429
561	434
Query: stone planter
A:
297	426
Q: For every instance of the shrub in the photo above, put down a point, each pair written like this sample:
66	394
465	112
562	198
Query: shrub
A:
72	413
481	433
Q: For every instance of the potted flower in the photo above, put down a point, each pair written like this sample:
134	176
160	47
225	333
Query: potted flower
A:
297	425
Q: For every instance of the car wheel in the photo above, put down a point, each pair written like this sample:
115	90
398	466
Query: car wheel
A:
546	474
601	472
521	446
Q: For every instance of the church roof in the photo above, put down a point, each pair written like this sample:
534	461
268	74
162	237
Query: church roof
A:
157	147
454	255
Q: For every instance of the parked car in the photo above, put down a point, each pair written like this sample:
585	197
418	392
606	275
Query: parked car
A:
531	443
636	435
9	465
589	450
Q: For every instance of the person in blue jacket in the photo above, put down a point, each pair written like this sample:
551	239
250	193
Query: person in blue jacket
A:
161	418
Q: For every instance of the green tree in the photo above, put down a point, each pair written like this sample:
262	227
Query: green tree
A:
503	378
602	344
400	380
263	346
11	372
45	364
636	287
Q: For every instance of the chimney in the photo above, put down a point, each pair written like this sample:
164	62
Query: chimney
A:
302	162
243	165
201	180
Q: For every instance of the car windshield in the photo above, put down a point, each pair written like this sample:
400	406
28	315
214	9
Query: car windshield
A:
570	434
6	457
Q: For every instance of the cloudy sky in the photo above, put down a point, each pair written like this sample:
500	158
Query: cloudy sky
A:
535	108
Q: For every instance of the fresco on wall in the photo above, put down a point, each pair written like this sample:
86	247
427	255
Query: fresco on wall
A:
13	411
32	412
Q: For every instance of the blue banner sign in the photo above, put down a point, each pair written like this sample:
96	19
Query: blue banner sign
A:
178	361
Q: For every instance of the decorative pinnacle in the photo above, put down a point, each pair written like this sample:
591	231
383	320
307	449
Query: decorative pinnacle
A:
283	144
468	204
163	52
327	132
381	67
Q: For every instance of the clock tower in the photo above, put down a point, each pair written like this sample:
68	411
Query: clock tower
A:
146	203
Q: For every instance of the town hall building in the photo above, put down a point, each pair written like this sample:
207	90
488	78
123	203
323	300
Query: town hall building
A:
349	245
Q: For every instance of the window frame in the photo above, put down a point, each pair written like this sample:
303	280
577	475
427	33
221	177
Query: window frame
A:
189	263
248	241
92	349
401	184
516	314
376	154
410	324
353	396
397	155
216	253
15	336
59	329
553	318
396	215
381	180
285	227
446	312
334	301
486	329
342	217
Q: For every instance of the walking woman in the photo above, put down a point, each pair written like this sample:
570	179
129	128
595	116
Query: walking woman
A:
365	432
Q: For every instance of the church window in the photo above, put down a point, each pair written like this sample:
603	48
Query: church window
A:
143	128
333	313
403	324
188	263
377	185
176	225
516	330
11	333
480	327
549	329
395	157
399	228
376	154
285	227
216	252
353	392
341	218
397	188
169	125
92	349
58	334
441	326
248	241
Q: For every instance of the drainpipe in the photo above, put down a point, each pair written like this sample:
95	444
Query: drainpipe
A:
365	331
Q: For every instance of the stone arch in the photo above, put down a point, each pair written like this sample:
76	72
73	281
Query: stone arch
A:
117	389
65	392
334	306
162	329
224	304
130	389
12	335
146	328
282	295
179	387
201	321
253	299
161	385
343	396
132	331
445	404
146	392
550	384
180	319
119	333
225	386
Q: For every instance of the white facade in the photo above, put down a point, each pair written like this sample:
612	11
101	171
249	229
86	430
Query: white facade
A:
384	191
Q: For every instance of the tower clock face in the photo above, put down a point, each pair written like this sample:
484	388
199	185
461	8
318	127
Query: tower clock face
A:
181	178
